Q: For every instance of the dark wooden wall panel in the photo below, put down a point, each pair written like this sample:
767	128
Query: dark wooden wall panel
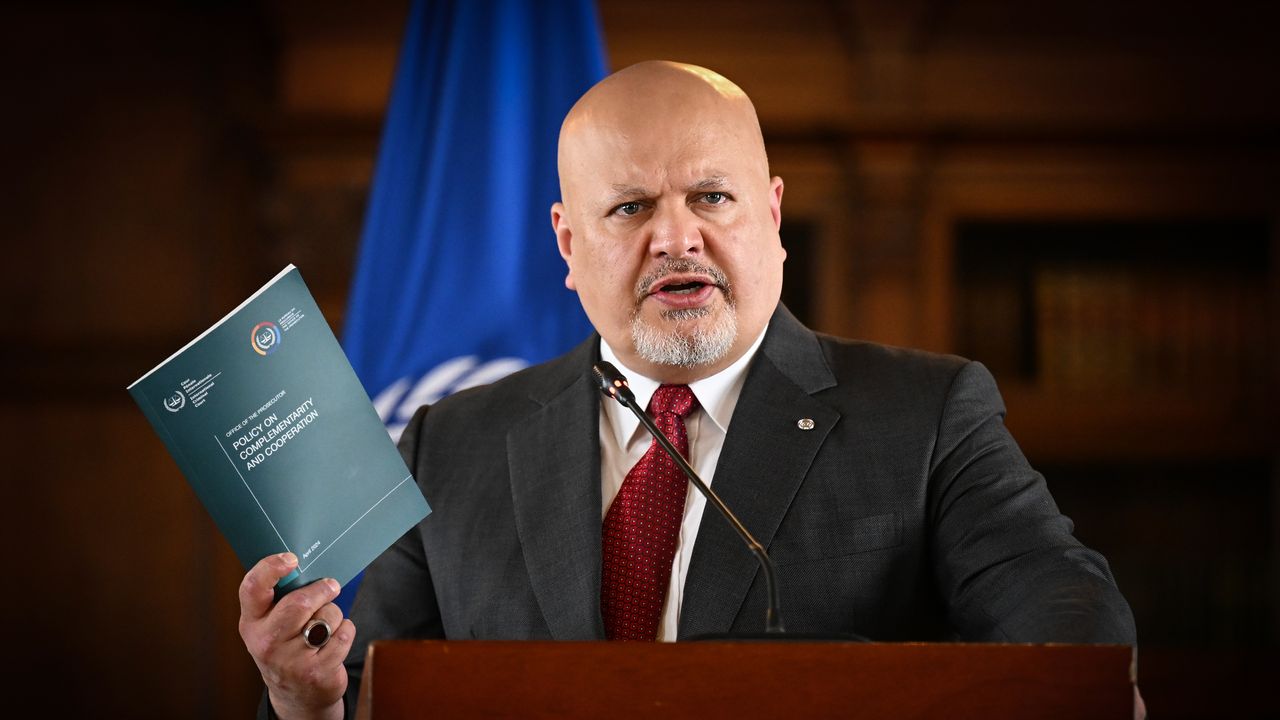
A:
116	606
164	162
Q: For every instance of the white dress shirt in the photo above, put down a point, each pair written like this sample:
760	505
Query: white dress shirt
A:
623	442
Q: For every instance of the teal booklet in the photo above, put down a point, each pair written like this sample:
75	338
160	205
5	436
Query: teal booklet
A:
277	436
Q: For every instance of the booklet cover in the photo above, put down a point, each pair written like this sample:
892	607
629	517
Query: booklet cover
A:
277	436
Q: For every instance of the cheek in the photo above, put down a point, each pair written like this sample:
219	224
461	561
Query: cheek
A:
755	265
602	271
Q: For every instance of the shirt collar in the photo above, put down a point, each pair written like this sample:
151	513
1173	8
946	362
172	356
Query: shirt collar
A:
717	395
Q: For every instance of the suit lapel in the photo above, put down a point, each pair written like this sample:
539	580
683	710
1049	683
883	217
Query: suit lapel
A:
554	457
764	461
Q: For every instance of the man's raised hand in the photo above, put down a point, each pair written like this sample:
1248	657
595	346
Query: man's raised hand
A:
302	682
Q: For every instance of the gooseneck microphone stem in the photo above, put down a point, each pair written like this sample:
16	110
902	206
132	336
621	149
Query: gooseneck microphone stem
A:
613	384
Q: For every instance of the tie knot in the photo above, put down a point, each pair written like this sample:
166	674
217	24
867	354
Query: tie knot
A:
676	399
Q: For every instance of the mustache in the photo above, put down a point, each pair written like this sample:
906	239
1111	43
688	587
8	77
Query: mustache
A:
674	266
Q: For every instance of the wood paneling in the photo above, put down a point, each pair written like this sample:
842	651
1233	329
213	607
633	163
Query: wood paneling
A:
121	595
163	163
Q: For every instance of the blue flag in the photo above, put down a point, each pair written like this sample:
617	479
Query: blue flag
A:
458	280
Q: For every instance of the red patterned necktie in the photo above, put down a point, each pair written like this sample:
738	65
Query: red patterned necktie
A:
643	524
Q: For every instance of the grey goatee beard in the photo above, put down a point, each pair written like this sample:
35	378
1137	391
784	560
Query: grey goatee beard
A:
685	347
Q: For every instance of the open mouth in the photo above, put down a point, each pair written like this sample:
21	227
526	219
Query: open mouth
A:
684	288
683	291
681	283
684	284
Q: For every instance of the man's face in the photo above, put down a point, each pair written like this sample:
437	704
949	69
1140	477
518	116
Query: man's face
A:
669	227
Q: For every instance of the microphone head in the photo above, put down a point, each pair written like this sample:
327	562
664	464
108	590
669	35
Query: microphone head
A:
611	382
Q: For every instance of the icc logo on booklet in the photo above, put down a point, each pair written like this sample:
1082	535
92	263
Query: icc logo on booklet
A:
176	402
265	338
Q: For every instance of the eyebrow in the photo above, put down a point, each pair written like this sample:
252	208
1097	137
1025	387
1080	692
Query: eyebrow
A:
627	193
715	182
623	193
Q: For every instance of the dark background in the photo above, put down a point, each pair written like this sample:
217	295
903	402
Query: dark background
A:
1083	195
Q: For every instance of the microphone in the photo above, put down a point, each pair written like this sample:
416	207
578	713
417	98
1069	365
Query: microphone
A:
614	385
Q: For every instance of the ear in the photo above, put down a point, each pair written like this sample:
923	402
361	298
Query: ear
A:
564	239
775	202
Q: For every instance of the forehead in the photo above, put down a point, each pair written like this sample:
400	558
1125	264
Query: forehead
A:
602	157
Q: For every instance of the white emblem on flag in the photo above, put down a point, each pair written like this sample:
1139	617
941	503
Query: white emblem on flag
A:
397	403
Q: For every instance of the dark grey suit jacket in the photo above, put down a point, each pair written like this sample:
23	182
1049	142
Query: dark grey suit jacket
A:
906	513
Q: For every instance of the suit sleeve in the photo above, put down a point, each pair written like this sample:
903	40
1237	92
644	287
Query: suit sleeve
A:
1006	560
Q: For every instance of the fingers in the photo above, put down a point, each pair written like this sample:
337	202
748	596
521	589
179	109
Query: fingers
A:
257	590
331	614
295	609
335	651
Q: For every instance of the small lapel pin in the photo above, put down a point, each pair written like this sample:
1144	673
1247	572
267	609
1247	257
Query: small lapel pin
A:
805	423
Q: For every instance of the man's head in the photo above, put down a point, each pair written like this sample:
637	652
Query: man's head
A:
669	219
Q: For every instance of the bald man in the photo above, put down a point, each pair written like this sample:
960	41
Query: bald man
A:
890	496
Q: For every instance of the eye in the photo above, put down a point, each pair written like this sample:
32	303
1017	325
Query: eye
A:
626	209
715	198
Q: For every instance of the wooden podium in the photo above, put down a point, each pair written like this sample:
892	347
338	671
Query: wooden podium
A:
415	679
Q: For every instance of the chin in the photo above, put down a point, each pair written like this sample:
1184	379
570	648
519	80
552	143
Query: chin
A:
685	337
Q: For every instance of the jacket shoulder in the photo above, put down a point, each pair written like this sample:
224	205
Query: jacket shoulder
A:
861	362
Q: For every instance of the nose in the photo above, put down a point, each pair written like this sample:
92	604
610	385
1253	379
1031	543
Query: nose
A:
675	232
